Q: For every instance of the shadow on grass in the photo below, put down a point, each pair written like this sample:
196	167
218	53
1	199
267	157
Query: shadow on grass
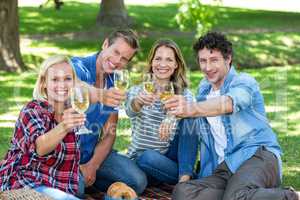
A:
235	19
76	16
290	159
251	50
15	89
5	138
264	41
73	16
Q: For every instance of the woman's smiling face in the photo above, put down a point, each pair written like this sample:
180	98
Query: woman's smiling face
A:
164	63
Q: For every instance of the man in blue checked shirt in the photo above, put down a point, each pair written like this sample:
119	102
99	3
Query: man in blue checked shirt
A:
240	157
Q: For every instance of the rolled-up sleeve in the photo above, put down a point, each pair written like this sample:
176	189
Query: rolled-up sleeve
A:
242	91
35	124
80	66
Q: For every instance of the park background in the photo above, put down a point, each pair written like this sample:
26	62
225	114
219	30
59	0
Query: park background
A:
265	35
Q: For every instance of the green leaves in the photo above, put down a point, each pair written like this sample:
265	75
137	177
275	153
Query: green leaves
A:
195	16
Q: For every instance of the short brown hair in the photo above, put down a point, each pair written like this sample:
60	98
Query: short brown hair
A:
128	35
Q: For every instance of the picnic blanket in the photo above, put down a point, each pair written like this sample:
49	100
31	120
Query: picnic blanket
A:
161	192
23	194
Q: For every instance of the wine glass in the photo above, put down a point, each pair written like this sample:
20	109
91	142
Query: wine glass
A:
80	102
148	85
167	91
121	80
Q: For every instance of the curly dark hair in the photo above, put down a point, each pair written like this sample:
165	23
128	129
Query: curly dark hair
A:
214	41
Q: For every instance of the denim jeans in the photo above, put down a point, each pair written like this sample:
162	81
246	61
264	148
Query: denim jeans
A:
54	193
117	167
176	162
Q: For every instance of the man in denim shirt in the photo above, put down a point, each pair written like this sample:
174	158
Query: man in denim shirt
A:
239	152
100	165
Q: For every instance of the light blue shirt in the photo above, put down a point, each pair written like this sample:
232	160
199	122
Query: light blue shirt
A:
247	128
97	114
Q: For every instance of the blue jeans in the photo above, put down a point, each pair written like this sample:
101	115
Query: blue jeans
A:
179	159
54	193
117	167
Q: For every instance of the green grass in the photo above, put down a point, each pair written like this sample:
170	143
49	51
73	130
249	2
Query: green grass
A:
78	16
260	38
280	87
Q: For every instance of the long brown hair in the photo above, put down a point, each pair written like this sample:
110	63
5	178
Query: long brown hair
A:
179	76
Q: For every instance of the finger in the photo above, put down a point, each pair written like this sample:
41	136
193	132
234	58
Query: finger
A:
175	112
170	105
144	99
167	131
113	102
119	97
118	93
148	101
74	117
69	111
173	99
162	131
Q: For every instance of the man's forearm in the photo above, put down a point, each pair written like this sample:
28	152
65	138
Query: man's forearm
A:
102	150
213	107
96	94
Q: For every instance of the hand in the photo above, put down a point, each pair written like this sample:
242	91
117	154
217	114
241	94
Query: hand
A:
112	97
180	107
184	178
88	171
145	99
165	130
71	119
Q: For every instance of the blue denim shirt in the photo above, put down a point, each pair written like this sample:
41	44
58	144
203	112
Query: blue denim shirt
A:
247	128
97	114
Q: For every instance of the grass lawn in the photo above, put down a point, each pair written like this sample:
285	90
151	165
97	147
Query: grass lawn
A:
279	86
261	39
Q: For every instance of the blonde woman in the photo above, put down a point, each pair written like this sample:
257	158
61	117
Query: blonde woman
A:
155	143
44	152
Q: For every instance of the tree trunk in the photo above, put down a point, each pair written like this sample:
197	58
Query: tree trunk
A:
113	13
10	56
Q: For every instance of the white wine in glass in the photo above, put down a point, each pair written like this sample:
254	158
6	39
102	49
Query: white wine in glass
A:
121	80
148	83
166	93
80	102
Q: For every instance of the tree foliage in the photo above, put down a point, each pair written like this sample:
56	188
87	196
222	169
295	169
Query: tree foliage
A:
193	15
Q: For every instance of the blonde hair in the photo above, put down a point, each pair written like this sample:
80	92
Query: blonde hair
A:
179	76
39	92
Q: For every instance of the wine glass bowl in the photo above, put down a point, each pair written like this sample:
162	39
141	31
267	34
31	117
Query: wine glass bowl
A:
80	103
167	91
148	83
121	81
